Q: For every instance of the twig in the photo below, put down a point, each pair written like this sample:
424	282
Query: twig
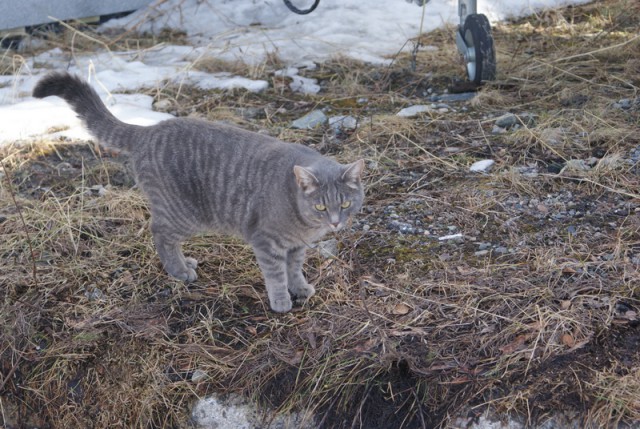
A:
24	224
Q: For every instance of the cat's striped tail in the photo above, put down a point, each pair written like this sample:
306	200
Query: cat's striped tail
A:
86	102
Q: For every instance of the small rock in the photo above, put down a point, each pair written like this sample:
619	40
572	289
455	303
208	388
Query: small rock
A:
340	123
575	166
506	121
410	112
624	104
498	130
163	105
482	166
99	189
310	121
501	250
328	248
64	167
484	246
481	252
463	96
93	293
366	227
451	237
404	227
510	120
198	376
571	229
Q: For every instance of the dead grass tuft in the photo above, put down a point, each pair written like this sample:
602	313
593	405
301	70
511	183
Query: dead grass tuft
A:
534	311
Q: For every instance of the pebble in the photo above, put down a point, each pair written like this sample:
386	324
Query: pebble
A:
93	293
411	111
481	252
198	375
506	121
575	165
99	189
404	227
482	166
463	96
451	237
340	123
163	105
311	120
484	246
498	130
501	250
328	248
510	120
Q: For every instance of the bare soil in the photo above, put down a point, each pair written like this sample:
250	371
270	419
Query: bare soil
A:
531	313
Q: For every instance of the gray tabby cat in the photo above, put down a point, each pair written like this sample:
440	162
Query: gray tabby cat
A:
198	176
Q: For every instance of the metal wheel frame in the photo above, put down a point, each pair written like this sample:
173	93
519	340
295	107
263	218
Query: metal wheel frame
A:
466	43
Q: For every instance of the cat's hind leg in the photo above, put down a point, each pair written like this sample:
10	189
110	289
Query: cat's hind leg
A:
168	246
296	282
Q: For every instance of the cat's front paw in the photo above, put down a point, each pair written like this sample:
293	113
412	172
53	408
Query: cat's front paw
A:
302	290
281	305
186	274
191	263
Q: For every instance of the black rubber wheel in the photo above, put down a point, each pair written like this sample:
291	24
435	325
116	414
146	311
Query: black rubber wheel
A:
294	9
480	59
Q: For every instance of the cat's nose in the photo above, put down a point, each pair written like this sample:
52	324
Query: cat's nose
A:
335	225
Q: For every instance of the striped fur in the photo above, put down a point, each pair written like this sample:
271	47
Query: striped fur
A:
199	176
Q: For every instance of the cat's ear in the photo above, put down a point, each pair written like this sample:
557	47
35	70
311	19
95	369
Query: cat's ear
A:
353	173
305	179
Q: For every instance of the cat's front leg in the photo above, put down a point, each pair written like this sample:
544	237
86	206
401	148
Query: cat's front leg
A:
296	282
273	264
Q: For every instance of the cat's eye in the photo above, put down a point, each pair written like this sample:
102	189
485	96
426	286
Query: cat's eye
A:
320	207
346	204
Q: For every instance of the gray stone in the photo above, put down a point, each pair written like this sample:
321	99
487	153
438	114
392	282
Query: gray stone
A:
498	130
506	121
340	123
484	246
93	293
463	96
198	376
411	111
328	248
310	121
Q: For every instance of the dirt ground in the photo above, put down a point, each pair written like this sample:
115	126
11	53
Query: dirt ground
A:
531	311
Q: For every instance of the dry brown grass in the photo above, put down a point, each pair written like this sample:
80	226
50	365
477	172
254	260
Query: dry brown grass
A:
405	331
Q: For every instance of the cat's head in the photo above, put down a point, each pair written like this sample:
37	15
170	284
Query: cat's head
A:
327	197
